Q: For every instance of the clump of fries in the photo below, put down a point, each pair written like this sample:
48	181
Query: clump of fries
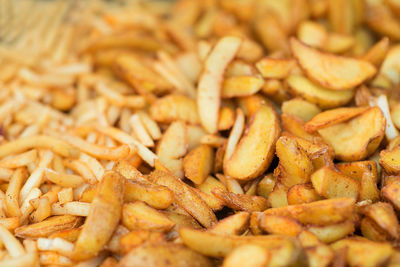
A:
206	133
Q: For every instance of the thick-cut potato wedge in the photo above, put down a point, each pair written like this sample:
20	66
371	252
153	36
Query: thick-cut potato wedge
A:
323	97
390	66
312	34
275	224
278	197
391	192
301	194
331	71
357	169
369	189
174	107
138	215
332	117
332	232
271	32
318	254
357	138
273	68
212	201
186	197
180	220
254	255
380	19
372	231
377	53
295	127
338	43
323	212
198	163
164	255
330	183
106	207
241	201
266	185
172	147
49	226
254	152
210	81
384	216
390	160
238	86
156	196
283	248
300	108
363	252
233	225
295	167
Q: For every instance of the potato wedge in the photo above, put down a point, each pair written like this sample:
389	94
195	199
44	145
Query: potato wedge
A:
198	163
377	53
156	196
390	66
210	81
241	201
106	206
284	247
323	212
266	185
226	118
280	225
255	256
233	225
384	216
332	117
185	196
278	197
164	255
49	226
172	147
330	183
332	232
174	107
262	133
357	169
300	108
238	86
390	160
391	192
363	252
331	71
272	68
357	138
302	194
295	167
321	96
137	215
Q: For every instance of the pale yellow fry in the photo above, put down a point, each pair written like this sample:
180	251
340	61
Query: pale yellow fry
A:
140	131
63	179
26	207
13	246
235	134
12	193
150	125
5	174
101	152
19	160
36	177
71	208
65	195
94	165
38	141
57	244
42	211
82	169
133	101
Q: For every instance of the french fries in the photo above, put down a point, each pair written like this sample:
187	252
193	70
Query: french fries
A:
200	133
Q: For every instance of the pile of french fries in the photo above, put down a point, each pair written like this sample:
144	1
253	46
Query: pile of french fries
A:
206	133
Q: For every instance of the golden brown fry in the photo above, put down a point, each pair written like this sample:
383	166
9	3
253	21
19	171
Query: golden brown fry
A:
198	163
106	206
241	201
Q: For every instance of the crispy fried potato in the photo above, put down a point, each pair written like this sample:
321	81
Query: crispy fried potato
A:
198	163
266	185
323	97
391	192
332	117
238	86
262	132
172	147
294	165
278	197
241	201
186	197
233	225
272	68
255	256
372	231
362	252
384	216
164	255
220	245
302	194
210	82
275	224
331	71
300	108
330	183
377	53
174	107
357	138
321	212
390	160
106	206
226	118
357	169
138	215
49	226
332	232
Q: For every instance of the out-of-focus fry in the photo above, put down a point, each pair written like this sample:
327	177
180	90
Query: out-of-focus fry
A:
238	86
71	208
106	206
256	256
198	163
19	160
241	201
272	68
233	225
14	247
63	179
12	194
